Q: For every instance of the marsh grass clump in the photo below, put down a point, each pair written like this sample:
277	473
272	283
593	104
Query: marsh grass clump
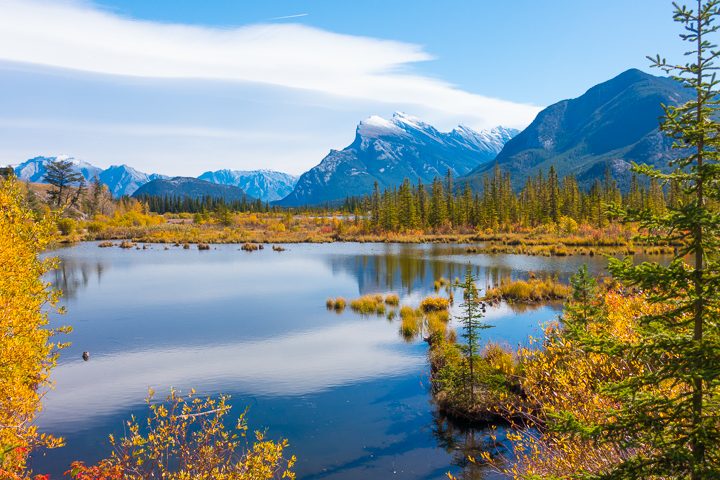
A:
440	315
369	304
434	304
278	248
440	283
338	304
414	322
186	246
126	244
410	322
106	244
410	326
250	247
392	299
407	311
203	246
533	290
436	323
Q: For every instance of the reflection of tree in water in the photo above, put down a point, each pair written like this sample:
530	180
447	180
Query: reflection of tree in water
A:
463	441
409	269
73	275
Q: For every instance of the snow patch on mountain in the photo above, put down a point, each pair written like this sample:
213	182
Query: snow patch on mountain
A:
120	179
34	169
389	150
267	185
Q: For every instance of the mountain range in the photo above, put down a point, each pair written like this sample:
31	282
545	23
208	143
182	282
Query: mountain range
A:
33	170
608	127
388	151
266	185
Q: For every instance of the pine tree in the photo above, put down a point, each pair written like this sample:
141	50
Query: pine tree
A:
473	310
554	194
450	199
375	206
407	217
61	175
667	415
438	205
97	192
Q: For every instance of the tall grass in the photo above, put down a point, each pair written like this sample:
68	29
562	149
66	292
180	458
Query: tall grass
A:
529	291
338	304
369	304
434	304
392	299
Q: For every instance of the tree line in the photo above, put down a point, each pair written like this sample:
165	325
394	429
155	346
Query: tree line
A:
544	198
184	204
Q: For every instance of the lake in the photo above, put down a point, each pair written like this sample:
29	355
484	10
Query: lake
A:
346	390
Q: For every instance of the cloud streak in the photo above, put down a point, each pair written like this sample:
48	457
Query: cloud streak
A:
286	17
150	130
79	37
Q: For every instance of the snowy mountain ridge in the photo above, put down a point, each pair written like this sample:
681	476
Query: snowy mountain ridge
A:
389	150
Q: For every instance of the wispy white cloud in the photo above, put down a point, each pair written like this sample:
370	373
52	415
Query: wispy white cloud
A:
286	17
149	130
77	36
300	363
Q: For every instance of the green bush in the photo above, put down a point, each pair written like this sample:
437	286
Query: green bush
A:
66	225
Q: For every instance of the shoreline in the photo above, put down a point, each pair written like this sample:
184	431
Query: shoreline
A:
472	243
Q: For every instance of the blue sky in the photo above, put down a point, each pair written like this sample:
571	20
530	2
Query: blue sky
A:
181	86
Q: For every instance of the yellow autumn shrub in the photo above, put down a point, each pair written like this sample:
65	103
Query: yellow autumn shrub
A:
27	352
560	378
186	438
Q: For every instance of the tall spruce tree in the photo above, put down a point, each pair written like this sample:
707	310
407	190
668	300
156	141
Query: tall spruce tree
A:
473	310
667	419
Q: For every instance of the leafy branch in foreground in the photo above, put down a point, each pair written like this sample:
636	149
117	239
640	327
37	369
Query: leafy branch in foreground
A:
185	438
27	353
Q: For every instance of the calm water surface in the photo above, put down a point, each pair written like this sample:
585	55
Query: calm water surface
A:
347	391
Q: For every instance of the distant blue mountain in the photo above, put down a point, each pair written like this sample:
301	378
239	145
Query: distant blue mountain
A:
267	185
610	126
34	170
388	151
124	180
120	179
192	188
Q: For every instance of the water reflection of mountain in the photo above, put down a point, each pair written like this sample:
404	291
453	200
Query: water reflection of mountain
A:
73	275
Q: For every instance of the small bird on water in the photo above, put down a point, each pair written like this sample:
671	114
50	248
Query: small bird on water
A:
86	356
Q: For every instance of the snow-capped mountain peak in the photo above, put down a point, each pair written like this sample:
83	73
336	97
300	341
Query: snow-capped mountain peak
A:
124	180
402	118
388	151
34	170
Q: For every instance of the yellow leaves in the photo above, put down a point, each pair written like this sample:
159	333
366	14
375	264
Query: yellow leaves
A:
562	378
185	439
26	351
